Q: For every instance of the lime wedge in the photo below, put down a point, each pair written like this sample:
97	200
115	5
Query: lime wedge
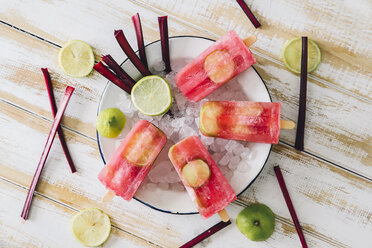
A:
291	55
91	227
76	58
152	95
110	122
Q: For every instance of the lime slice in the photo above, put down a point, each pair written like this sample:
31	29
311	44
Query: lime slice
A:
291	55
91	227
110	122
196	173
152	95
76	58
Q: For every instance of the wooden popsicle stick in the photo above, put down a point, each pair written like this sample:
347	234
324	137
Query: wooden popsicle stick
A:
108	197
250	40
284	124
224	215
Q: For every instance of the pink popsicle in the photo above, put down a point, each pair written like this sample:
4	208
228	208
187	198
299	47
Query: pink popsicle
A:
249	121
219	63
133	159
216	193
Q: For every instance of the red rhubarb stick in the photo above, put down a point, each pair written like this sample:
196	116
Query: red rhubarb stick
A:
288	201
124	44
141	46
163	28
123	76
206	234
300	133
52	101
53	131
249	13
111	76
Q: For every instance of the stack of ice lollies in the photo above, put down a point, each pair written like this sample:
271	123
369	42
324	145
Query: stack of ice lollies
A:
203	180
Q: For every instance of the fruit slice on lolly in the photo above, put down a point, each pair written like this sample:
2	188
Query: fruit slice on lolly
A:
219	66
208	118
196	173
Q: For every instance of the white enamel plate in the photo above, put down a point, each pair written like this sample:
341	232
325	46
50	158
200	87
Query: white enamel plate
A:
249	82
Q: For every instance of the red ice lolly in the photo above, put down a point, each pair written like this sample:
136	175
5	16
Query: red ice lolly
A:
133	159
202	178
241	120
219	63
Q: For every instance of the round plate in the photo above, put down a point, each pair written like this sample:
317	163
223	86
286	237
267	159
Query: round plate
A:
251	83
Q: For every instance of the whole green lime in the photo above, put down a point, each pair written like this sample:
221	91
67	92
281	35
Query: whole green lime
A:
110	122
256	222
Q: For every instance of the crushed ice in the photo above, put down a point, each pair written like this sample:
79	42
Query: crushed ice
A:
182	121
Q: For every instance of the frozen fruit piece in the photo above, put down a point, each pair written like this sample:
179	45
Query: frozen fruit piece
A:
196	173
208	118
219	66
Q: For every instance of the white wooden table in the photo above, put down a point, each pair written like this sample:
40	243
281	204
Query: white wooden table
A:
330	182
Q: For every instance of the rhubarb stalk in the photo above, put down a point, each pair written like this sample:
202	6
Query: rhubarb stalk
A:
163	28
206	234
249	13
300	133
48	145
124	44
111	76
141	46
123	76
52	101
288	201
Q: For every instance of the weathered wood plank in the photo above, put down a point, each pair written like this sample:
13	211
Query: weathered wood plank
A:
331	113
48	226
20	155
339	28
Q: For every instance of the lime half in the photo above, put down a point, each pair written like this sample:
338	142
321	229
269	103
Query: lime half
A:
76	58
152	95
91	227
291	55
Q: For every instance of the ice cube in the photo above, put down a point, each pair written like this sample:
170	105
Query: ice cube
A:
197	121
234	161
160	170
251	155
163	185
222	142
178	187
151	186
244	155
173	177
238	149
243	167
186	131
217	157
159	66
224	160
208	141
189	119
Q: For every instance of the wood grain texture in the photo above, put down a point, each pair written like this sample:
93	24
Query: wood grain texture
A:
330	202
339	29
331	112
331	195
49	225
